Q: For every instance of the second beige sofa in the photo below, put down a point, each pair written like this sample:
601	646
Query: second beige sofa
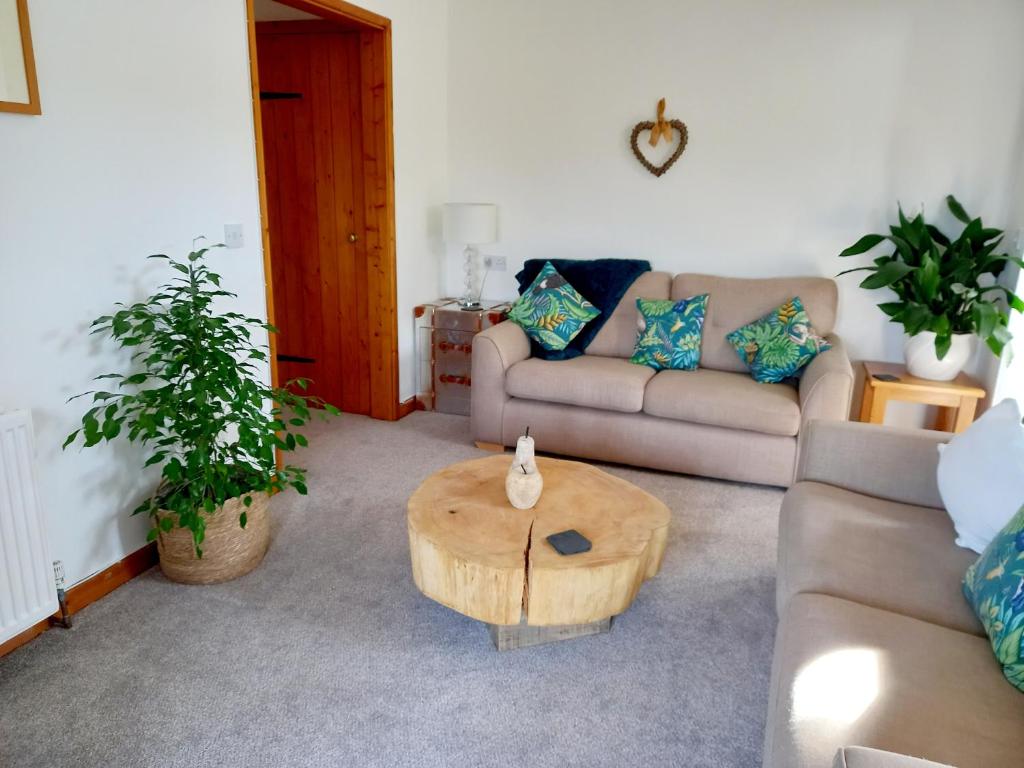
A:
715	421
876	645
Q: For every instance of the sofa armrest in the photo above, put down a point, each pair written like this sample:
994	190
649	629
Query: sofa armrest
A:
887	462
494	351
826	387
862	757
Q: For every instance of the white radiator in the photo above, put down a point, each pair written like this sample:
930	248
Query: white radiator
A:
27	590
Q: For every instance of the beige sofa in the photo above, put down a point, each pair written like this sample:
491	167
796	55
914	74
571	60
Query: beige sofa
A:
876	645
715	421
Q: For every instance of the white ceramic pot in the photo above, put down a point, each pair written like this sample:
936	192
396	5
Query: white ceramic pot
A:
922	362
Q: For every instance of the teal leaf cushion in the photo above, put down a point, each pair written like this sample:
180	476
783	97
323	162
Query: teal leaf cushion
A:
776	346
994	587
670	333
551	311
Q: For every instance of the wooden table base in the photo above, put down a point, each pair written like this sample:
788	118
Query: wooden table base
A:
522	635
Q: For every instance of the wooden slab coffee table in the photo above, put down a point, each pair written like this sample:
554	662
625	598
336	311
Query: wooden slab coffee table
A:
475	553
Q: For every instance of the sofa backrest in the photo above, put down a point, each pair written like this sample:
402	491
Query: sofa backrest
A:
734	302
617	336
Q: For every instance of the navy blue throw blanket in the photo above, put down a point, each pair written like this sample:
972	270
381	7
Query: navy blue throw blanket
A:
602	282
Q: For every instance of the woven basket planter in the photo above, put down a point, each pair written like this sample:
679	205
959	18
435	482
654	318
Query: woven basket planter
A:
229	551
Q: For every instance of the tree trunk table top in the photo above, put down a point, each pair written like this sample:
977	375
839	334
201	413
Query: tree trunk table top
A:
475	553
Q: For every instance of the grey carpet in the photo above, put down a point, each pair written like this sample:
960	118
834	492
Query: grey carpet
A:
327	655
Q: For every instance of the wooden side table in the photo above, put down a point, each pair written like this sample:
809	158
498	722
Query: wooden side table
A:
957	399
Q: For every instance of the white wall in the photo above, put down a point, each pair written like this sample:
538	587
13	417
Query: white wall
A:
808	120
419	30
144	142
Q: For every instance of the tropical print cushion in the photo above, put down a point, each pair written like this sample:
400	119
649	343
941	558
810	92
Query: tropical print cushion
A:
551	311
779	344
994	586
670	333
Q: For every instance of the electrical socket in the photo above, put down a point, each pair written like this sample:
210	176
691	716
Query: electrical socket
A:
495	263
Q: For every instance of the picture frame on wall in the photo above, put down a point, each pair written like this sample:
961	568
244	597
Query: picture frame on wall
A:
19	91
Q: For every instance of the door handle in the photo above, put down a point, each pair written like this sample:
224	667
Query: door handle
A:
353	237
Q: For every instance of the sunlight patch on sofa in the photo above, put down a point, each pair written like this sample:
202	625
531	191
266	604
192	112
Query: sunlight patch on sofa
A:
837	686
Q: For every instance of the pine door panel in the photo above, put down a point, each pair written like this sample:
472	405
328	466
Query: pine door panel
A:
312	152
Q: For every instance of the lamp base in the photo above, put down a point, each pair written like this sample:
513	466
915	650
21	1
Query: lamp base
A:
468	305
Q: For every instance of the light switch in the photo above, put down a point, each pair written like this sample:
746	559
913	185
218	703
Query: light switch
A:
233	236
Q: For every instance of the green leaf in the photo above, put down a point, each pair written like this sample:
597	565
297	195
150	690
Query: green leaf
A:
928	278
855	269
937	236
111	429
153	533
985	317
942	345
957	210
892	308
1014	300
863	245
887	275
243	519
903	248
915	318
909	232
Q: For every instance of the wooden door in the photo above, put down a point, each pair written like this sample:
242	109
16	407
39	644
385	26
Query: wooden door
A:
312	143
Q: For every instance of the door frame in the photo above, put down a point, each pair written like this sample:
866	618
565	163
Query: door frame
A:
378	185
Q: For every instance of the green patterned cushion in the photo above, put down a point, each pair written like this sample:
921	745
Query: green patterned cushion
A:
670	333
778	345
551	311
994	586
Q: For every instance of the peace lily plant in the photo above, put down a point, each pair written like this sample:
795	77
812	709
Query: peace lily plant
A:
946	289
194	397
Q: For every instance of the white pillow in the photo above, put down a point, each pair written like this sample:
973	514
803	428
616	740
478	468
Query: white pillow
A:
981	475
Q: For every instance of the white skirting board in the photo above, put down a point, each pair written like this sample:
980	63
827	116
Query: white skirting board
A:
27	590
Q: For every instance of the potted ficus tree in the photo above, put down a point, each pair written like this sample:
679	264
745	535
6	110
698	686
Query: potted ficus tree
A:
946	289
196	400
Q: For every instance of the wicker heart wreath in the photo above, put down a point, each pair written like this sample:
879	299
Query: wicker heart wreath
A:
660	128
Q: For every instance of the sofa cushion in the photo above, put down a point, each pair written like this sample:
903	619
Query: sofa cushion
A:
737	301
551	311
881	553
981	475
722	399
778	345
995	588
607	383
618	334
846	673
669	333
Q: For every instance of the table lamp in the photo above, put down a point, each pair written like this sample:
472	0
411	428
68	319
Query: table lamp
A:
471	224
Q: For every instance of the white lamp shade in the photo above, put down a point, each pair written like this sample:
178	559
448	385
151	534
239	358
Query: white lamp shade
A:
470	223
